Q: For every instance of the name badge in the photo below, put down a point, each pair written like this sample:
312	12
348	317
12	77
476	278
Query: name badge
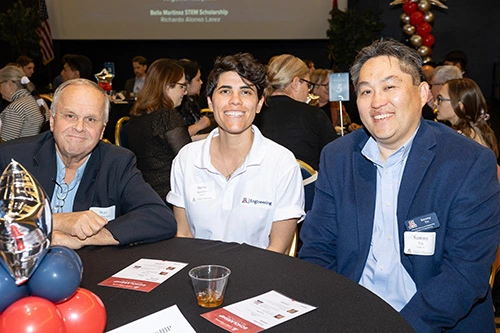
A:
420	243
105	212
423	223
202	192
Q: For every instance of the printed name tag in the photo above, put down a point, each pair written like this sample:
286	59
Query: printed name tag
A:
423	223
420	243
105	212
202	192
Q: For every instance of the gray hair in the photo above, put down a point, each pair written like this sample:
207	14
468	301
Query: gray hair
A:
12	73
81	82
410	61
446	73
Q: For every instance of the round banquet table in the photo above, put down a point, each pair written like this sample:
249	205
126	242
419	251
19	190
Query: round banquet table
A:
342	305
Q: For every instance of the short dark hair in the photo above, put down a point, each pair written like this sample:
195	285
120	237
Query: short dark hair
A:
245	65
79	63
191	68
24	60
457	56
140	60
410	61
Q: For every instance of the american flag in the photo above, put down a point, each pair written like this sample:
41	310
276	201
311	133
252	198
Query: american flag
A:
45	35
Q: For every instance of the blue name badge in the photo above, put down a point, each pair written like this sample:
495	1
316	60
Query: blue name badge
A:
423	223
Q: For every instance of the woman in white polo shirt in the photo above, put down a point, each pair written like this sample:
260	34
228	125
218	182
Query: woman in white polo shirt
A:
237	185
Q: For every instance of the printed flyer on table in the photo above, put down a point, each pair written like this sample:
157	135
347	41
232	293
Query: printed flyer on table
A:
258	313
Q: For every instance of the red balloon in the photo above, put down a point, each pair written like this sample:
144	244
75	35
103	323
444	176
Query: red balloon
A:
34	315
409	7
83	313
428	40
416	18
424	29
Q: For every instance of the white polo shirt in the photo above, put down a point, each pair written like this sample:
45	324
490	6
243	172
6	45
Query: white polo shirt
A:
267	187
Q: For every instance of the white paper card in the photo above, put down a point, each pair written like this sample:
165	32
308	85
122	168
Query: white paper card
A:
257	313
420	243
202	192
167	320
144	274
339	87
105	212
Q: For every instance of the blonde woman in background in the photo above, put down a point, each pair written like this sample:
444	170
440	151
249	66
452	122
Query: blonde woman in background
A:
286	118
22	117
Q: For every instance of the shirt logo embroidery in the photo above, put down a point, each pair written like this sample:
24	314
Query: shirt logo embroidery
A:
256	202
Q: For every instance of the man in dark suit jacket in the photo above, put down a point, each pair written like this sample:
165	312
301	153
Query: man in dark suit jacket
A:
406	207
140	66
97	194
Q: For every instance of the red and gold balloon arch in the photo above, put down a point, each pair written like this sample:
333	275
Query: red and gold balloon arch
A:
417	19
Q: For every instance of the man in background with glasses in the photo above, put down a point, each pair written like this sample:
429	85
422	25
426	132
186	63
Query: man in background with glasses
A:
97	194
439	78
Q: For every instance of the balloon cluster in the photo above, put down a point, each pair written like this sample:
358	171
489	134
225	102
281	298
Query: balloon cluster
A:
417	19
39	285
104	79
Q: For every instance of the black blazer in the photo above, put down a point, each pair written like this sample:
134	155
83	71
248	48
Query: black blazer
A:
110	179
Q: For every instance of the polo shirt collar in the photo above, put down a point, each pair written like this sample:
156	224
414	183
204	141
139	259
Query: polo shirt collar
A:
255	156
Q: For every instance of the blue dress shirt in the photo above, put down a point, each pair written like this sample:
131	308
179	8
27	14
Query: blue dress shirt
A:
384	274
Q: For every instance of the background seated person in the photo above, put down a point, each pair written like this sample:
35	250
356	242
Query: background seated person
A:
22	117
286	118
190	107
461	102
236	185
27	65
135	84
439	78
97	194
156	131
76	66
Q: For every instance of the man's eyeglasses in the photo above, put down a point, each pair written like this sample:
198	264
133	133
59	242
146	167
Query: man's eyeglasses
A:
184	86
61	195
442	99
310	84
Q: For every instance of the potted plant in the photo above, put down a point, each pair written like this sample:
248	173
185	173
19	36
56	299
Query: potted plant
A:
349	32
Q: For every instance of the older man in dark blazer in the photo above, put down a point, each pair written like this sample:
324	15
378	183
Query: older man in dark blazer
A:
97	194
406	207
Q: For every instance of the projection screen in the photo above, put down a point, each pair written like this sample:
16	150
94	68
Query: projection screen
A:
189	19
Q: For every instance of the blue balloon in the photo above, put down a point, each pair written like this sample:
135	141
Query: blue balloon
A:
9	291
69	252
56	278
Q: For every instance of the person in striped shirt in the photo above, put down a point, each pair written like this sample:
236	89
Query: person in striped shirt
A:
22	117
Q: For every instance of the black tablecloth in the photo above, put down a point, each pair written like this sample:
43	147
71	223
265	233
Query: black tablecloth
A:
342	305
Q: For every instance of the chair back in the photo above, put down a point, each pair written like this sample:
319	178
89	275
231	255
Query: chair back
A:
47	99
292	251
495	268
206	112
309	176
121	138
